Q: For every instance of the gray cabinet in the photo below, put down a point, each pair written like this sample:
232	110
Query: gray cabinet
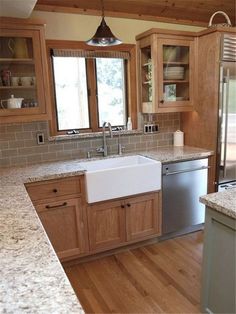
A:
219	264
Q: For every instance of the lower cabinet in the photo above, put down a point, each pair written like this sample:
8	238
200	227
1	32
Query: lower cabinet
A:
143	216
115	223
218	293
63	222
77	229
106	224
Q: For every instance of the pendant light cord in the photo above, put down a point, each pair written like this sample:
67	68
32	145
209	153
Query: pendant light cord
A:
102	8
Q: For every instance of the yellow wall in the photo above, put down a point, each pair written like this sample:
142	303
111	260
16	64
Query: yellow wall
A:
82	27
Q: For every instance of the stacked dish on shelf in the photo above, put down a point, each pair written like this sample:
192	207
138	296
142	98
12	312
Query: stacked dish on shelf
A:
174	73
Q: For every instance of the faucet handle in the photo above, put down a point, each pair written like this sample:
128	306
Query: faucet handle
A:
100	149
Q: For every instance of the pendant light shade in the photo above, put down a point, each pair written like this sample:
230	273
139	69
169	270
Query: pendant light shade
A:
103	35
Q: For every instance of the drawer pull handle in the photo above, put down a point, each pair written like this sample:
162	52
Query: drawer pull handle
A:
61	205
128	205
54	190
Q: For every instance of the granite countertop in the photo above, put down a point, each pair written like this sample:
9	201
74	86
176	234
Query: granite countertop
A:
223	202
32	278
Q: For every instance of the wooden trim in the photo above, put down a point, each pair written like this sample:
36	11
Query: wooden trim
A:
159	31
216	29
128	15
87	258
92	96
13	20
132	88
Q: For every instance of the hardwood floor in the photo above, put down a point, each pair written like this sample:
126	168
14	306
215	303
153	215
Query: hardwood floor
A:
158	278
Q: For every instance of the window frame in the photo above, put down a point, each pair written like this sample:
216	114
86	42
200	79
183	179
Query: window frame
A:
131	83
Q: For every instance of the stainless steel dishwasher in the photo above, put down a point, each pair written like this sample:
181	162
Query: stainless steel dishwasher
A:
182	185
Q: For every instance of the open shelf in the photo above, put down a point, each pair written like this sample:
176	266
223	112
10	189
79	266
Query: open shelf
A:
175	63
14	60
17	87
175	81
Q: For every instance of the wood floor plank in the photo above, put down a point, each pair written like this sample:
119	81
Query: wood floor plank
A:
158	278
86	291
176	273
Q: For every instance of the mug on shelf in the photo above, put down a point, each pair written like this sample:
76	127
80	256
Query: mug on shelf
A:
15	81
26	80
33	81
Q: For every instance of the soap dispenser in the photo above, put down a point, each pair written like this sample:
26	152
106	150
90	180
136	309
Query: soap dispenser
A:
129	124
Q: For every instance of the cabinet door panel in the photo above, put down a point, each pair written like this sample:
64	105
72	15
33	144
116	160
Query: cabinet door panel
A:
63	223
23	72
142	216
106	223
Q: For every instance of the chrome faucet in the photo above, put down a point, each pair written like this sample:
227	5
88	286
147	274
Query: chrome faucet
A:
103	149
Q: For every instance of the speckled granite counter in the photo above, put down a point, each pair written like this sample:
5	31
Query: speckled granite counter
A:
32	279
223	202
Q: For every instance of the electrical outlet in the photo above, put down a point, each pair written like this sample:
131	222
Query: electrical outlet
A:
40	138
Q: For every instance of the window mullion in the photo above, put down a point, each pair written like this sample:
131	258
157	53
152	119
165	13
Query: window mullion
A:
92	86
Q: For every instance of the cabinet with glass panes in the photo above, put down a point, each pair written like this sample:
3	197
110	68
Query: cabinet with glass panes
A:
23	73
166	71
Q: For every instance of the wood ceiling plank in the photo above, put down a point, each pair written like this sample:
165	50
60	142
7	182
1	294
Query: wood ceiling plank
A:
191	12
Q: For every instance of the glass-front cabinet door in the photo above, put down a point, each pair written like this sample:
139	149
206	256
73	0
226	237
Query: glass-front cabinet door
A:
147	61
175	73
22	75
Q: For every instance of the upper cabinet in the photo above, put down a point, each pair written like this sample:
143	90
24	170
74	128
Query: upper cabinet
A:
166	71
23	71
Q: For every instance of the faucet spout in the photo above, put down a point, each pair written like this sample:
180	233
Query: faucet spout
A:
104	148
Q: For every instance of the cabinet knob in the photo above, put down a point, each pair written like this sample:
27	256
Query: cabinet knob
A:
128	204
54	190
162	101
122	206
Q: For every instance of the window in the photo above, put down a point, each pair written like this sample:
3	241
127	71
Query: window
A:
91	86
70	83
111	91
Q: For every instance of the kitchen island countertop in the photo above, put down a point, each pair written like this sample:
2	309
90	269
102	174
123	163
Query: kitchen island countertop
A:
223	202
32	278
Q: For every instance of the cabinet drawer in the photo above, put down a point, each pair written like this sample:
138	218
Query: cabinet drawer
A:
54	188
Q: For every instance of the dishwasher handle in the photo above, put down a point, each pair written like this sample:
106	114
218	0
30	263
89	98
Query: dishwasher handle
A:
185	170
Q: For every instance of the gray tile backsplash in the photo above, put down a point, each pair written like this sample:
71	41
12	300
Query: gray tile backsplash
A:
18	143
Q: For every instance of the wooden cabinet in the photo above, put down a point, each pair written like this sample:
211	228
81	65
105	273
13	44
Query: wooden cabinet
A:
116	223
23	71
202	127
77	229
63	222
219	259
62	210
106	224
166	63
143	216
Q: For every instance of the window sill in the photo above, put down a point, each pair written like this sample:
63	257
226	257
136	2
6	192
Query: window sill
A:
66	137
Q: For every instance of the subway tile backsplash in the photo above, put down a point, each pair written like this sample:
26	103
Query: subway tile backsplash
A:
18	142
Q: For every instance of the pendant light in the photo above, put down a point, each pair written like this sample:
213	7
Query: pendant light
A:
103	35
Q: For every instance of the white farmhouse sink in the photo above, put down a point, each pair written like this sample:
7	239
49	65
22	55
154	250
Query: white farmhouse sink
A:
122	176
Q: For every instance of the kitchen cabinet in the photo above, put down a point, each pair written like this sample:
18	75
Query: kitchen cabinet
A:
106	225
63	223
202	127
61	208
219	259
166	63
116	223
23	69
77	229
143	216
